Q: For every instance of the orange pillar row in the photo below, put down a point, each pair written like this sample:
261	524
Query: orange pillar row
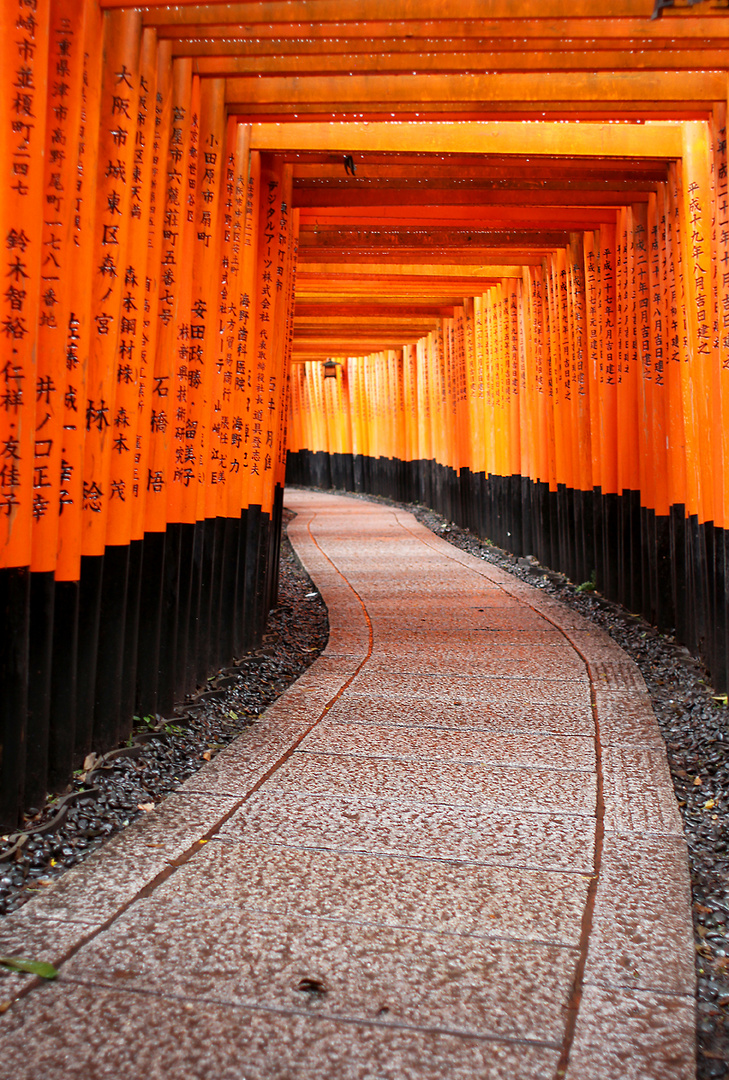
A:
127	391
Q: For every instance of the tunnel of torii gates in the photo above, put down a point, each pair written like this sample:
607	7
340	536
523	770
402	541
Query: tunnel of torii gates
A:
471	253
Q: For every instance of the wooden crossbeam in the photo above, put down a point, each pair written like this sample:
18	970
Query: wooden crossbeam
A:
377	322
336	309
529	251
226	38
655	140
378	196
331	344
480	181
318	65
516	168
415	13
460	112
342	91
392	292
468	219
500	47
434	240
468	275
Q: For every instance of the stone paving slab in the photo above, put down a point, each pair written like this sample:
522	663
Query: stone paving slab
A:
633	1035
365	971
455	784
642	886
100	887
512	693
450	850
423	894
158	1037
416	830
475	747
412	659
456	711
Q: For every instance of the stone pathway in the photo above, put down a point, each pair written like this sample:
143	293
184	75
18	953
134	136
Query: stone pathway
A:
450	850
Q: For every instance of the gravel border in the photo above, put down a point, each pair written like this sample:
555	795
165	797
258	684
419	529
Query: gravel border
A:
164	753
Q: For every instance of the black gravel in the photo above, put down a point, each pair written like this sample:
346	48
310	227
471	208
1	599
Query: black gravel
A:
167	752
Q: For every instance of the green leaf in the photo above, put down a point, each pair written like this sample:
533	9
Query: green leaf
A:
31	967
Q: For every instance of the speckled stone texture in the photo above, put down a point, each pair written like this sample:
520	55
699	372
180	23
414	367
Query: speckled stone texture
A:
450	850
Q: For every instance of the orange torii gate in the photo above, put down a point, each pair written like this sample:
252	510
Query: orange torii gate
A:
507	228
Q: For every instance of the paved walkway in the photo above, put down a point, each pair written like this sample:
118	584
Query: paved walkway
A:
451	850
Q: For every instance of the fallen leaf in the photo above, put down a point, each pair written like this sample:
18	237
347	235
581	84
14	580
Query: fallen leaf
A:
30	967
710	804
697	781
146	806
207	756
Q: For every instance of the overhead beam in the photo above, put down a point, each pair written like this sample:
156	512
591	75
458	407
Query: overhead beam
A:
580	42
412	12
469	219
316	65
378	196
483	111
467	170
341	91
311	270
659	139
376	307
528	253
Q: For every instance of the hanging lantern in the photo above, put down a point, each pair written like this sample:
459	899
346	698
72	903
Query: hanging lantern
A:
330	369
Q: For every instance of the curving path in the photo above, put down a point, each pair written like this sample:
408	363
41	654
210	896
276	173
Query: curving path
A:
450	850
